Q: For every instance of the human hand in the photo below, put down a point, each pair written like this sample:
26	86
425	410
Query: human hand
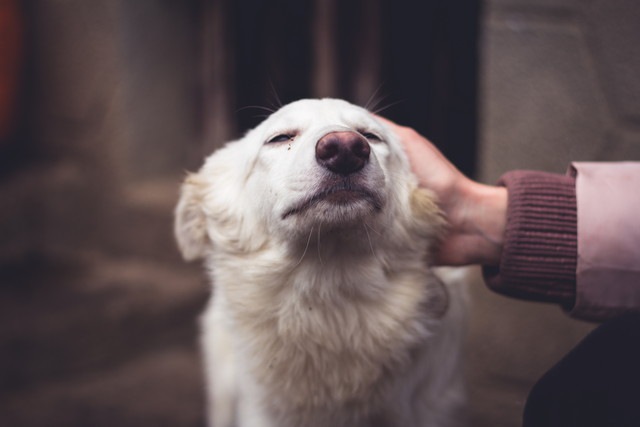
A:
476	212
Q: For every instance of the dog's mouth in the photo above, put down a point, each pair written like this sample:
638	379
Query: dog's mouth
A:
343	193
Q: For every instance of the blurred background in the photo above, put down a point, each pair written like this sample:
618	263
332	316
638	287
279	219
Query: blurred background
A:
104	105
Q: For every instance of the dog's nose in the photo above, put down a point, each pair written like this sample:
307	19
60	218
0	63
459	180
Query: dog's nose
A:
343	152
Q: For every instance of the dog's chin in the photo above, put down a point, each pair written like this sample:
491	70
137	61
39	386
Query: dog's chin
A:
336	208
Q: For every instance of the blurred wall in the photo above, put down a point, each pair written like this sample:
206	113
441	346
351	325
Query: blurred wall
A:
97	310
560	81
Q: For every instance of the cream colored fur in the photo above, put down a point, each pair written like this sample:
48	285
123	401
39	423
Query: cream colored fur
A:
329	316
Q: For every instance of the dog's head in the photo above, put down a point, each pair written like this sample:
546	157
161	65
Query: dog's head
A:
313	165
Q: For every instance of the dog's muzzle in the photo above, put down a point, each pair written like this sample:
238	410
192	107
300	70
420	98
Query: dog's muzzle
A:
343	152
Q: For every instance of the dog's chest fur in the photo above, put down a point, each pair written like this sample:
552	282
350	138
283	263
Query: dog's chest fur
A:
324	334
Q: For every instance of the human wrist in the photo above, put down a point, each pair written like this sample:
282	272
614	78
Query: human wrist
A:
482	219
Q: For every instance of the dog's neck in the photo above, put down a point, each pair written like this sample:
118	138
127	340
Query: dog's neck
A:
302	305
339	261
355	261
330	270
314	311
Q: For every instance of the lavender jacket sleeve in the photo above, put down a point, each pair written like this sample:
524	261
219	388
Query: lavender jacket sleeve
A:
573	240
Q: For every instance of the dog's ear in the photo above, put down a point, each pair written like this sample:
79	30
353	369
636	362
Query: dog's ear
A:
190	226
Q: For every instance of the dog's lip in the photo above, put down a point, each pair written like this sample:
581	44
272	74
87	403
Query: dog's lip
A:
341	193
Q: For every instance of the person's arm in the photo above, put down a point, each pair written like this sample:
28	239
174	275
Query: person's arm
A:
569	239
523	231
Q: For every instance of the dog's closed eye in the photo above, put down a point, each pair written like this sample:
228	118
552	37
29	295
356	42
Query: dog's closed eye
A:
282	137
370	136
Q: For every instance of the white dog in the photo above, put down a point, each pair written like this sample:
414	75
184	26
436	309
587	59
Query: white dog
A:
325	311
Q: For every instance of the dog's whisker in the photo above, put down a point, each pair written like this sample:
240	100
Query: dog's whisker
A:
259	107
372	102
275	94
386	107
319	256
372	229
305	250
366	230
261	116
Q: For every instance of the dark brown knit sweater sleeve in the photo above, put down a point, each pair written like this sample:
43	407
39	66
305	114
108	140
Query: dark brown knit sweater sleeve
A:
540	248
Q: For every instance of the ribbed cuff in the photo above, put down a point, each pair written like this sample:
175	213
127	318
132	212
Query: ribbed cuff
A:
539	256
